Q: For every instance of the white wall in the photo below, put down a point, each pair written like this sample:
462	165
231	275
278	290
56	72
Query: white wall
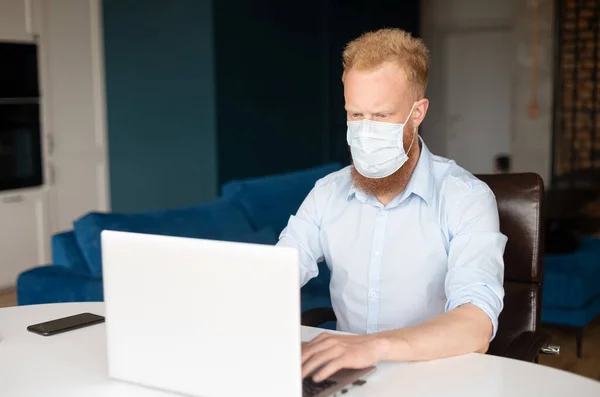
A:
490	114
69	40
532	138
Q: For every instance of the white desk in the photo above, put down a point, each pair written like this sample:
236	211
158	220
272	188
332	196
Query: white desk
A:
74	364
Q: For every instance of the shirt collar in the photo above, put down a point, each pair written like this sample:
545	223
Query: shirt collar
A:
420	183
352	191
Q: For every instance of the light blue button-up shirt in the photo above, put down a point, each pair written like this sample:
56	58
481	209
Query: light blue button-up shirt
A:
434	247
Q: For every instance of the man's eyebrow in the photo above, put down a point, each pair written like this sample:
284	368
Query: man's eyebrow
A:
380	111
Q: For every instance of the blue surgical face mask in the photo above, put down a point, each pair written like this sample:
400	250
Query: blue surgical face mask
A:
377	148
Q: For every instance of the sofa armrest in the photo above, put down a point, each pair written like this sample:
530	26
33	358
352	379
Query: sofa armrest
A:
317	316
527	346
57	284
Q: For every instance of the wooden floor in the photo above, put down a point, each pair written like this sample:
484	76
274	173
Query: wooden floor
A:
588	365
8	298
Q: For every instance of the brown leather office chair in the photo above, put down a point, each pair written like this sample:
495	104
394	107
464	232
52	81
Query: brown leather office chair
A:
520	200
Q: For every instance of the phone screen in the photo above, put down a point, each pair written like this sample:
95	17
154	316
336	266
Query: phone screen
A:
66	324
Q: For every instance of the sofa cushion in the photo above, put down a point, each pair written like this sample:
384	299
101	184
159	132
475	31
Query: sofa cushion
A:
270	200
572	317
571	281
221	219
66	253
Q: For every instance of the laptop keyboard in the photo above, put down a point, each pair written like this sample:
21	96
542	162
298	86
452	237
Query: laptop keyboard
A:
310	388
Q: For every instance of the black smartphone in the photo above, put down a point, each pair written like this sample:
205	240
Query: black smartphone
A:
65	324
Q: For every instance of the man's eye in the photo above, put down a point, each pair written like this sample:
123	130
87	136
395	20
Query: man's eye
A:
382	115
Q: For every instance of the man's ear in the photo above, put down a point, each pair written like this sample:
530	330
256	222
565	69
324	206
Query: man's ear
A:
420	112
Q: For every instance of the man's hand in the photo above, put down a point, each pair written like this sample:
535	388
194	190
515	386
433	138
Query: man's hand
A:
466	329
335	352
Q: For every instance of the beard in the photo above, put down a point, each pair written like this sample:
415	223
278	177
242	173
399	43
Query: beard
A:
390	185
380	186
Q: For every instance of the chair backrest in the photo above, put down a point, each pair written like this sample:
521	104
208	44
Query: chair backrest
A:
520	199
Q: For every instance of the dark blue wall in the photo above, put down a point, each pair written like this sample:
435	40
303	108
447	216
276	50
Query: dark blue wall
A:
201	92
271	87
160	103
280	102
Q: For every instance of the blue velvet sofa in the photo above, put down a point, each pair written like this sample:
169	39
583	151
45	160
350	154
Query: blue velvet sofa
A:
571	289
254	210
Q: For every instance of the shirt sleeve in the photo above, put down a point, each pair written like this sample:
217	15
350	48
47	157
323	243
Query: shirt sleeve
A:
475	258
303	233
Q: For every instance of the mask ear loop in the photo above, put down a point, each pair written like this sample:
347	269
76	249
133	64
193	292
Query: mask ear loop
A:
413	141
414	129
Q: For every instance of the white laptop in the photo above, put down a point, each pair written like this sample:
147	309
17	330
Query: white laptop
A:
206	318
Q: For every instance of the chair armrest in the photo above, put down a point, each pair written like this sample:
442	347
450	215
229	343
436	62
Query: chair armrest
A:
527	346
317	316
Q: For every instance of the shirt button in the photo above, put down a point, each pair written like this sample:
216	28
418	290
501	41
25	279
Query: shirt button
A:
372	294
377	253
380	213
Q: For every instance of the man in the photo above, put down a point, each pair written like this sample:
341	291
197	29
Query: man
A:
412	239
